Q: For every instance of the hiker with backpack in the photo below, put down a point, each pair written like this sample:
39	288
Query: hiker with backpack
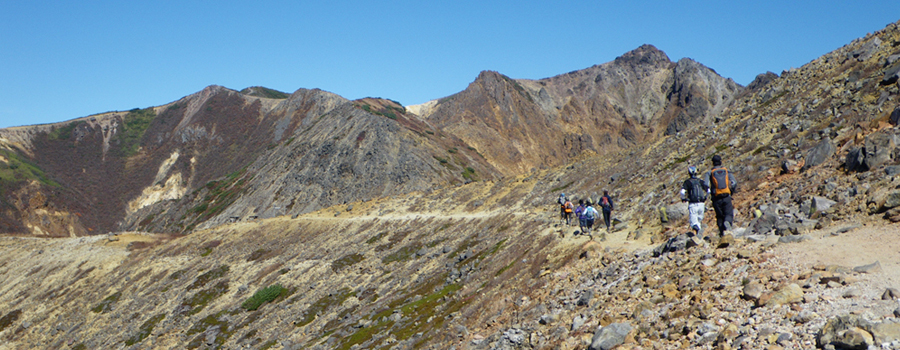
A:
694	191
721	185
606	204
590	214
579	214
565	208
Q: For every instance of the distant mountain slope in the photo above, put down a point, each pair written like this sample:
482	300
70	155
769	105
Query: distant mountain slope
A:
220	155
636	98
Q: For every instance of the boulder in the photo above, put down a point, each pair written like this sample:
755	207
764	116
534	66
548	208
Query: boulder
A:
820	204
886	332
677	211
610	336
819	153
878	148
791	293
891	75
895	116
870	268
855	160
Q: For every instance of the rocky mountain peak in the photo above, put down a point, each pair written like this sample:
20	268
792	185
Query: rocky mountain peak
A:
644	55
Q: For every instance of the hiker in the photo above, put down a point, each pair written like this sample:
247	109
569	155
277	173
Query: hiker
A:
606	204
579	214
721	184
694	191
565	211
589	215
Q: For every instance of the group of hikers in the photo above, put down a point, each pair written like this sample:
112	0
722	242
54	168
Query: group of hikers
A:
718	183
585	212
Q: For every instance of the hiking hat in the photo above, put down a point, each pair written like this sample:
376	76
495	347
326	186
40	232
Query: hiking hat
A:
692	170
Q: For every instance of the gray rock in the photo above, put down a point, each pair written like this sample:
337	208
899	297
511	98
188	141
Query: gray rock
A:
610	336
585	298
578	322
855	160
820	204
819	154
794	238
677	211
891	75
873	267
753	290
548	319
890	294
895	116
886	332
891	200
892	170
878	148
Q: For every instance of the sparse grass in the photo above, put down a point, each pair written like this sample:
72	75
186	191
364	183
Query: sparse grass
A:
563	187
263	296
402	254
376	238
325	302
134	126
200	300
469	174
211	321
345	261
18	168
106	305
268	345
63	132
210	275
145	330
7	320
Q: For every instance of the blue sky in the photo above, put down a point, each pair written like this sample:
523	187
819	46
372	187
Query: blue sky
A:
61	60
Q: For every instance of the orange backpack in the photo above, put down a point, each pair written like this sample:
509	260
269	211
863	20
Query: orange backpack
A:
718	178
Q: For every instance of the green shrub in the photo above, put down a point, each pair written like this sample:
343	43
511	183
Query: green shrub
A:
7	320
145	330
263	296
106	305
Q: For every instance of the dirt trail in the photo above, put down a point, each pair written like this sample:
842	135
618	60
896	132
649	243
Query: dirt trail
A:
858	247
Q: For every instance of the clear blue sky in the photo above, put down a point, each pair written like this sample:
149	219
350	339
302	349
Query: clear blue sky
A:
61	60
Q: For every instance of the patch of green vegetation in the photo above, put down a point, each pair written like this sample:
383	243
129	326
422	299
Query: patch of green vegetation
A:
211	321
773	99
257	254
496	247
469	174
268	345
264	92
79	346
7	320
63	132
210	275
106	305
402	254
263	296
453	150
345	261
503	269
206	251
17	168
134	126
335	298
435	243
177	274
222	193
721	148
145	330
200	300
376	238
563	187
388	111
